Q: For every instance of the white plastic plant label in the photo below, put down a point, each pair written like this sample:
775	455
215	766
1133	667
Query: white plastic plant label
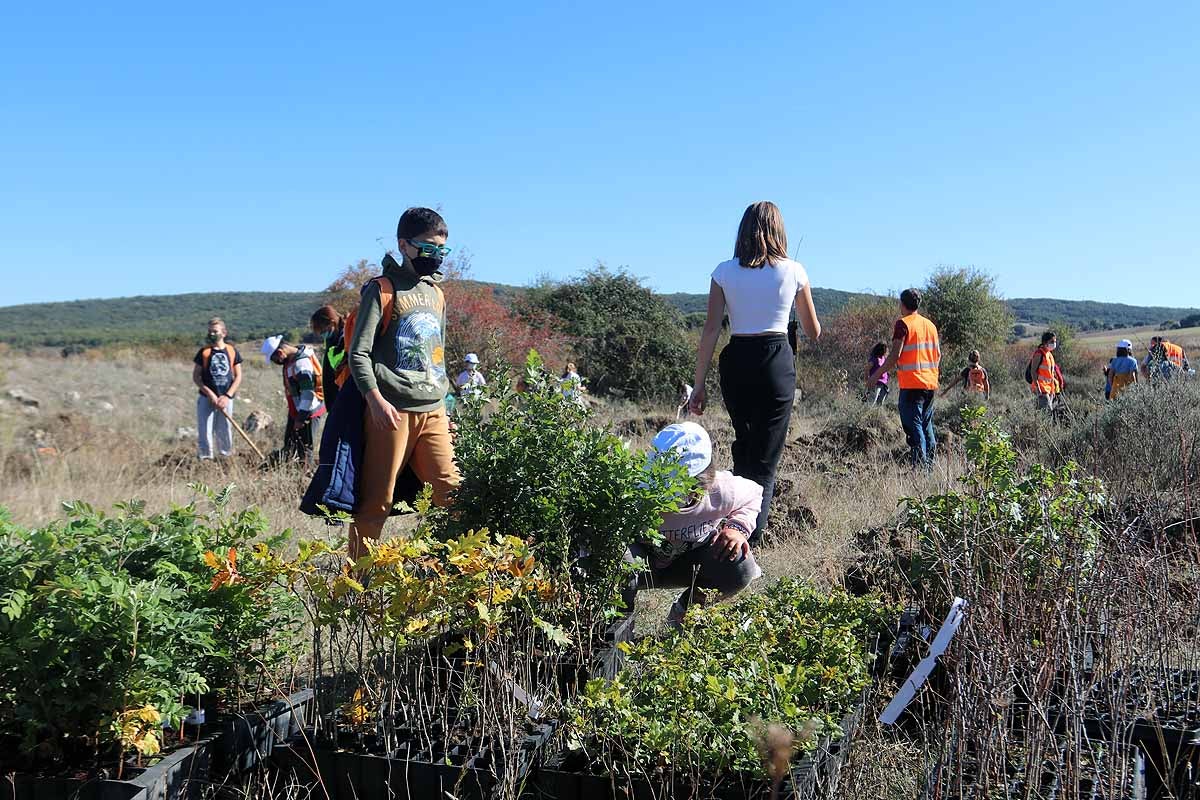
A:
908	690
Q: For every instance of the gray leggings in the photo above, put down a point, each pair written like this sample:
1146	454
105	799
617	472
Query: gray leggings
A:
703	568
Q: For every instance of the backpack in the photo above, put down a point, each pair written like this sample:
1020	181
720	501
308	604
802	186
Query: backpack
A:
387	301
1029	368
206	354
976	379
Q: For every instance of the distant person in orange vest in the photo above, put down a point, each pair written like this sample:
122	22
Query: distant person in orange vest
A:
1042	373
916	355
217	373
1164	360
1121	372
973	378
305	397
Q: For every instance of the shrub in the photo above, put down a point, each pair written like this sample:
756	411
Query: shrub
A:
477	322
839	358
535	467
628	341
968	312
1028	518
687	702
108	621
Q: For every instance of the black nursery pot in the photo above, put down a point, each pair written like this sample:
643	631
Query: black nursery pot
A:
468	769
246	740
815	776
182	773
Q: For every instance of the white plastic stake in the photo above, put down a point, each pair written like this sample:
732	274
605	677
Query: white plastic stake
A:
908	690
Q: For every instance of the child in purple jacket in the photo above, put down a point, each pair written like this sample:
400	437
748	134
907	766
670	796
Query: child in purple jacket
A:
705	544
880	390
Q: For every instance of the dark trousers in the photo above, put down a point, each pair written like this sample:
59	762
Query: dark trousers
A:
916	415
758	382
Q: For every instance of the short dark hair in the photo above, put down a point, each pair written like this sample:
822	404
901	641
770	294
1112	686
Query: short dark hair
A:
421	222
911	299
1122	351
1048	335
879	350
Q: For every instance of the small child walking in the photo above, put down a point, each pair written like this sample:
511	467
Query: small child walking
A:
880	390
706	543
973	377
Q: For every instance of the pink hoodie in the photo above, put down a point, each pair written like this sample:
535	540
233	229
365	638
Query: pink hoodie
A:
730	498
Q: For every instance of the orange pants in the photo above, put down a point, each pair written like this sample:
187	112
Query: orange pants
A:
422	438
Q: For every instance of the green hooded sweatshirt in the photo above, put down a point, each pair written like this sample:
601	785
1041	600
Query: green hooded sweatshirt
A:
406	361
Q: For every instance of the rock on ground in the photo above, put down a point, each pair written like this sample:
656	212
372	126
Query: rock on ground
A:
23	397
258	421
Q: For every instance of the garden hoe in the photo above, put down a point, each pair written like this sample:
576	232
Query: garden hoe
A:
244	435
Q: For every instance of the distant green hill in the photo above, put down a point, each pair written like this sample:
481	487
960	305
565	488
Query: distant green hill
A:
1089	315
253	315
155	318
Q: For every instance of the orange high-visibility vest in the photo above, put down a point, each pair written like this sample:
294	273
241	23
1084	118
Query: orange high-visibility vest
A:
917	367
1174	353
1046	381
289	373
976	380
1120	382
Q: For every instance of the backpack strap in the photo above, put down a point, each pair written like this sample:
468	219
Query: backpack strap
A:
387	303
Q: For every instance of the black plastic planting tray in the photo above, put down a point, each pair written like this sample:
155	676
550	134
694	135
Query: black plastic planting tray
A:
232	744
569	776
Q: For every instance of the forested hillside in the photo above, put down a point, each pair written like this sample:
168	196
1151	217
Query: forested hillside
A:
252	315
153	319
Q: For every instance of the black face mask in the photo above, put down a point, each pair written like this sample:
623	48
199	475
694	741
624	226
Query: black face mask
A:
426	265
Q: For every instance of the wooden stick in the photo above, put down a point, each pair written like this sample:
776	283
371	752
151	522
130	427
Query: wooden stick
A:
245	435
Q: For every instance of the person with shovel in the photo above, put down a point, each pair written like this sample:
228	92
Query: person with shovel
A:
302	387
217	373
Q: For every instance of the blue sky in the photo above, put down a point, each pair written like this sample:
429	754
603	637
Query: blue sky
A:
157	148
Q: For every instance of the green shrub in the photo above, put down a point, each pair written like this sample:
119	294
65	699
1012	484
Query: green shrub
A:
1038	519
790	656
629	341
969	314
103	616
534	466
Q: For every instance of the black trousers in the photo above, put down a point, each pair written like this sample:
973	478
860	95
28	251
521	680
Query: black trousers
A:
758	382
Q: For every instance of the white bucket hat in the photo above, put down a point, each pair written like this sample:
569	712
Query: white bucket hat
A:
689	442
270	345
471	358
1128	345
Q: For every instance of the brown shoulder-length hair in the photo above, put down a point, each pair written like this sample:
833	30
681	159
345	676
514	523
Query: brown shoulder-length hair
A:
761	238
325	317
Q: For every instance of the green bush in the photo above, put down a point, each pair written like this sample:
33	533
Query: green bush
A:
102	617
534	466
1038	519
968	313
791	656
630	342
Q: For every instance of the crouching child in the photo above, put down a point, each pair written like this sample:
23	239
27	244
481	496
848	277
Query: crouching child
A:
705	547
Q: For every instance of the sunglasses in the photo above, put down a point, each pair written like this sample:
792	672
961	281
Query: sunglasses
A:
427	249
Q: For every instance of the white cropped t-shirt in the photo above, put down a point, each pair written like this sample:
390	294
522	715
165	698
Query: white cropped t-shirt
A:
759	300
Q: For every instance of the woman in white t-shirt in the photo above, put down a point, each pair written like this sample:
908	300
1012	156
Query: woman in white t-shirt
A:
757	288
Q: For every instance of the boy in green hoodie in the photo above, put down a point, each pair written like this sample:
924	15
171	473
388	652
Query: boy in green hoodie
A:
399	367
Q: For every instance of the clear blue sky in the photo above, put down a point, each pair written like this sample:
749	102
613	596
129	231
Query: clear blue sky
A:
159	148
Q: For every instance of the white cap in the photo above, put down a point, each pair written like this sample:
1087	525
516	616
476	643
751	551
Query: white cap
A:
270	345
471	358
689	442
1128	345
